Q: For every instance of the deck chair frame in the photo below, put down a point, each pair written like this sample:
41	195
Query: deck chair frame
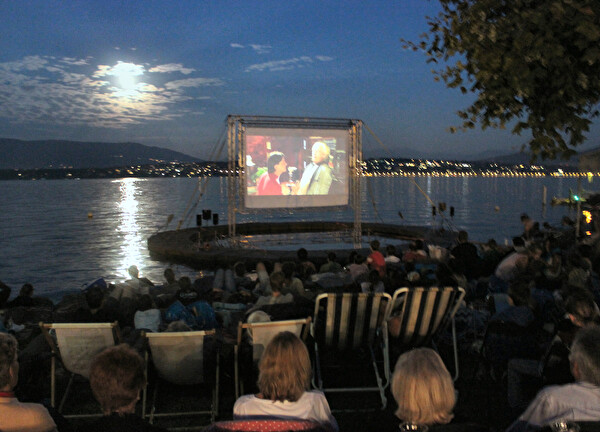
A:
154	340
300	327
424	312
358	323
102	332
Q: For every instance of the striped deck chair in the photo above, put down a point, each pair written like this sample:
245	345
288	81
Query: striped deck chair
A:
261	334
344	324
422	314
75	345
180	358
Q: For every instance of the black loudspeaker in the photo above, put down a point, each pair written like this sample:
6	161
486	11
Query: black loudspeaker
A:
206	214
198	220
215	218
452	211
433	210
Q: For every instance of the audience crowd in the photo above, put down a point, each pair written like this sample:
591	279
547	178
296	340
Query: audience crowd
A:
530	313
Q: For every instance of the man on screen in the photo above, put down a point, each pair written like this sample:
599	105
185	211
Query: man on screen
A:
318	175
268	183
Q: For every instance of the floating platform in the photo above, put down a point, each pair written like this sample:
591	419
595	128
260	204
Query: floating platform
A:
210	247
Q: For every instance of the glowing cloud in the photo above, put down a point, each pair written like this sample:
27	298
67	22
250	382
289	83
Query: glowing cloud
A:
171	67
279	65
261	49
194	82
69	91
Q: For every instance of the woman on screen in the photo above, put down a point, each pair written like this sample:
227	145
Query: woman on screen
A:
268	183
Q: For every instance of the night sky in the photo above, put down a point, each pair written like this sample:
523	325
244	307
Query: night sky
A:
167	73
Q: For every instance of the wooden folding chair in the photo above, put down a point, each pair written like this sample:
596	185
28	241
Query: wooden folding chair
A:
259	335
344	324
180	358
75	345
423	313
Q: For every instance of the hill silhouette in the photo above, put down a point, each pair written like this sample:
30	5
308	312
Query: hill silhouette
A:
19	154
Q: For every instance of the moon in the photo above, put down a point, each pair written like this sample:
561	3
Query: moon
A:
127	75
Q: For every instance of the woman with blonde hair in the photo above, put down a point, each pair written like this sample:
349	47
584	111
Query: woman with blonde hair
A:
423	389
283	383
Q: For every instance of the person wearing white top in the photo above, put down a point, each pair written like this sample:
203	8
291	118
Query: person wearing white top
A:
579	401
312	405
17	416
283	382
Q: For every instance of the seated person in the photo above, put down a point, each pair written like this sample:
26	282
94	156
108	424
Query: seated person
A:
94	297
511	267
292	284
177	326
414	253
331	266
579	401
309	267
25	297
140	285
358	268
283	382
170	286
375	260
132	288
147	316
233	285
520	339
117	379
491	257
391	257
263	287
466	255
276	280
527	376
15	415
374	284
423	390
531	228
518	308
241	277
186	293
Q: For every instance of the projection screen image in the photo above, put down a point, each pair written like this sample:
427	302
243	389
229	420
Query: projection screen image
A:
293	168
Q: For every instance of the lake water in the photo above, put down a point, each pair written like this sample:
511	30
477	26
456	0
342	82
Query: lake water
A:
48	239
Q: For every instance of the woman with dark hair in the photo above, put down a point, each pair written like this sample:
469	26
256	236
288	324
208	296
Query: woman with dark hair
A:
283	383
268	183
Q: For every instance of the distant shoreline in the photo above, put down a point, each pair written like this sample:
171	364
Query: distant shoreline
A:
384	167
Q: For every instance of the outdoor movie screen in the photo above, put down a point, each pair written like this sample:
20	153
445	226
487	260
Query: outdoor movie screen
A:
292	168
